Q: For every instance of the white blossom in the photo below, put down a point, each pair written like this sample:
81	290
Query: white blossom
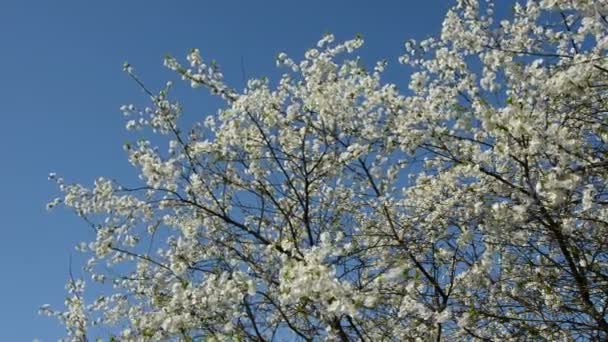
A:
333	205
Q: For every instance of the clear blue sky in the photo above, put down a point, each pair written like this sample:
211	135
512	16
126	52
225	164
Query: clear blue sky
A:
61	86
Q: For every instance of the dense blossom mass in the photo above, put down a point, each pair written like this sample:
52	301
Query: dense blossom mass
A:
332	205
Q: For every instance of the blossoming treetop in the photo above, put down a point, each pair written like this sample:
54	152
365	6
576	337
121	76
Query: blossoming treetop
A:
334	206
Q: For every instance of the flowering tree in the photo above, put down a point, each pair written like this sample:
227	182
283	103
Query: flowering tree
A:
333	206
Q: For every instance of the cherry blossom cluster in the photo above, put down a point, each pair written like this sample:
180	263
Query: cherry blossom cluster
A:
331	205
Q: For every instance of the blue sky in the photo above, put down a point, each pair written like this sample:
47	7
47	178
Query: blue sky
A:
61	85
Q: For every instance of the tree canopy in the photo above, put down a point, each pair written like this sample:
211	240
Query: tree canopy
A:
329	204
